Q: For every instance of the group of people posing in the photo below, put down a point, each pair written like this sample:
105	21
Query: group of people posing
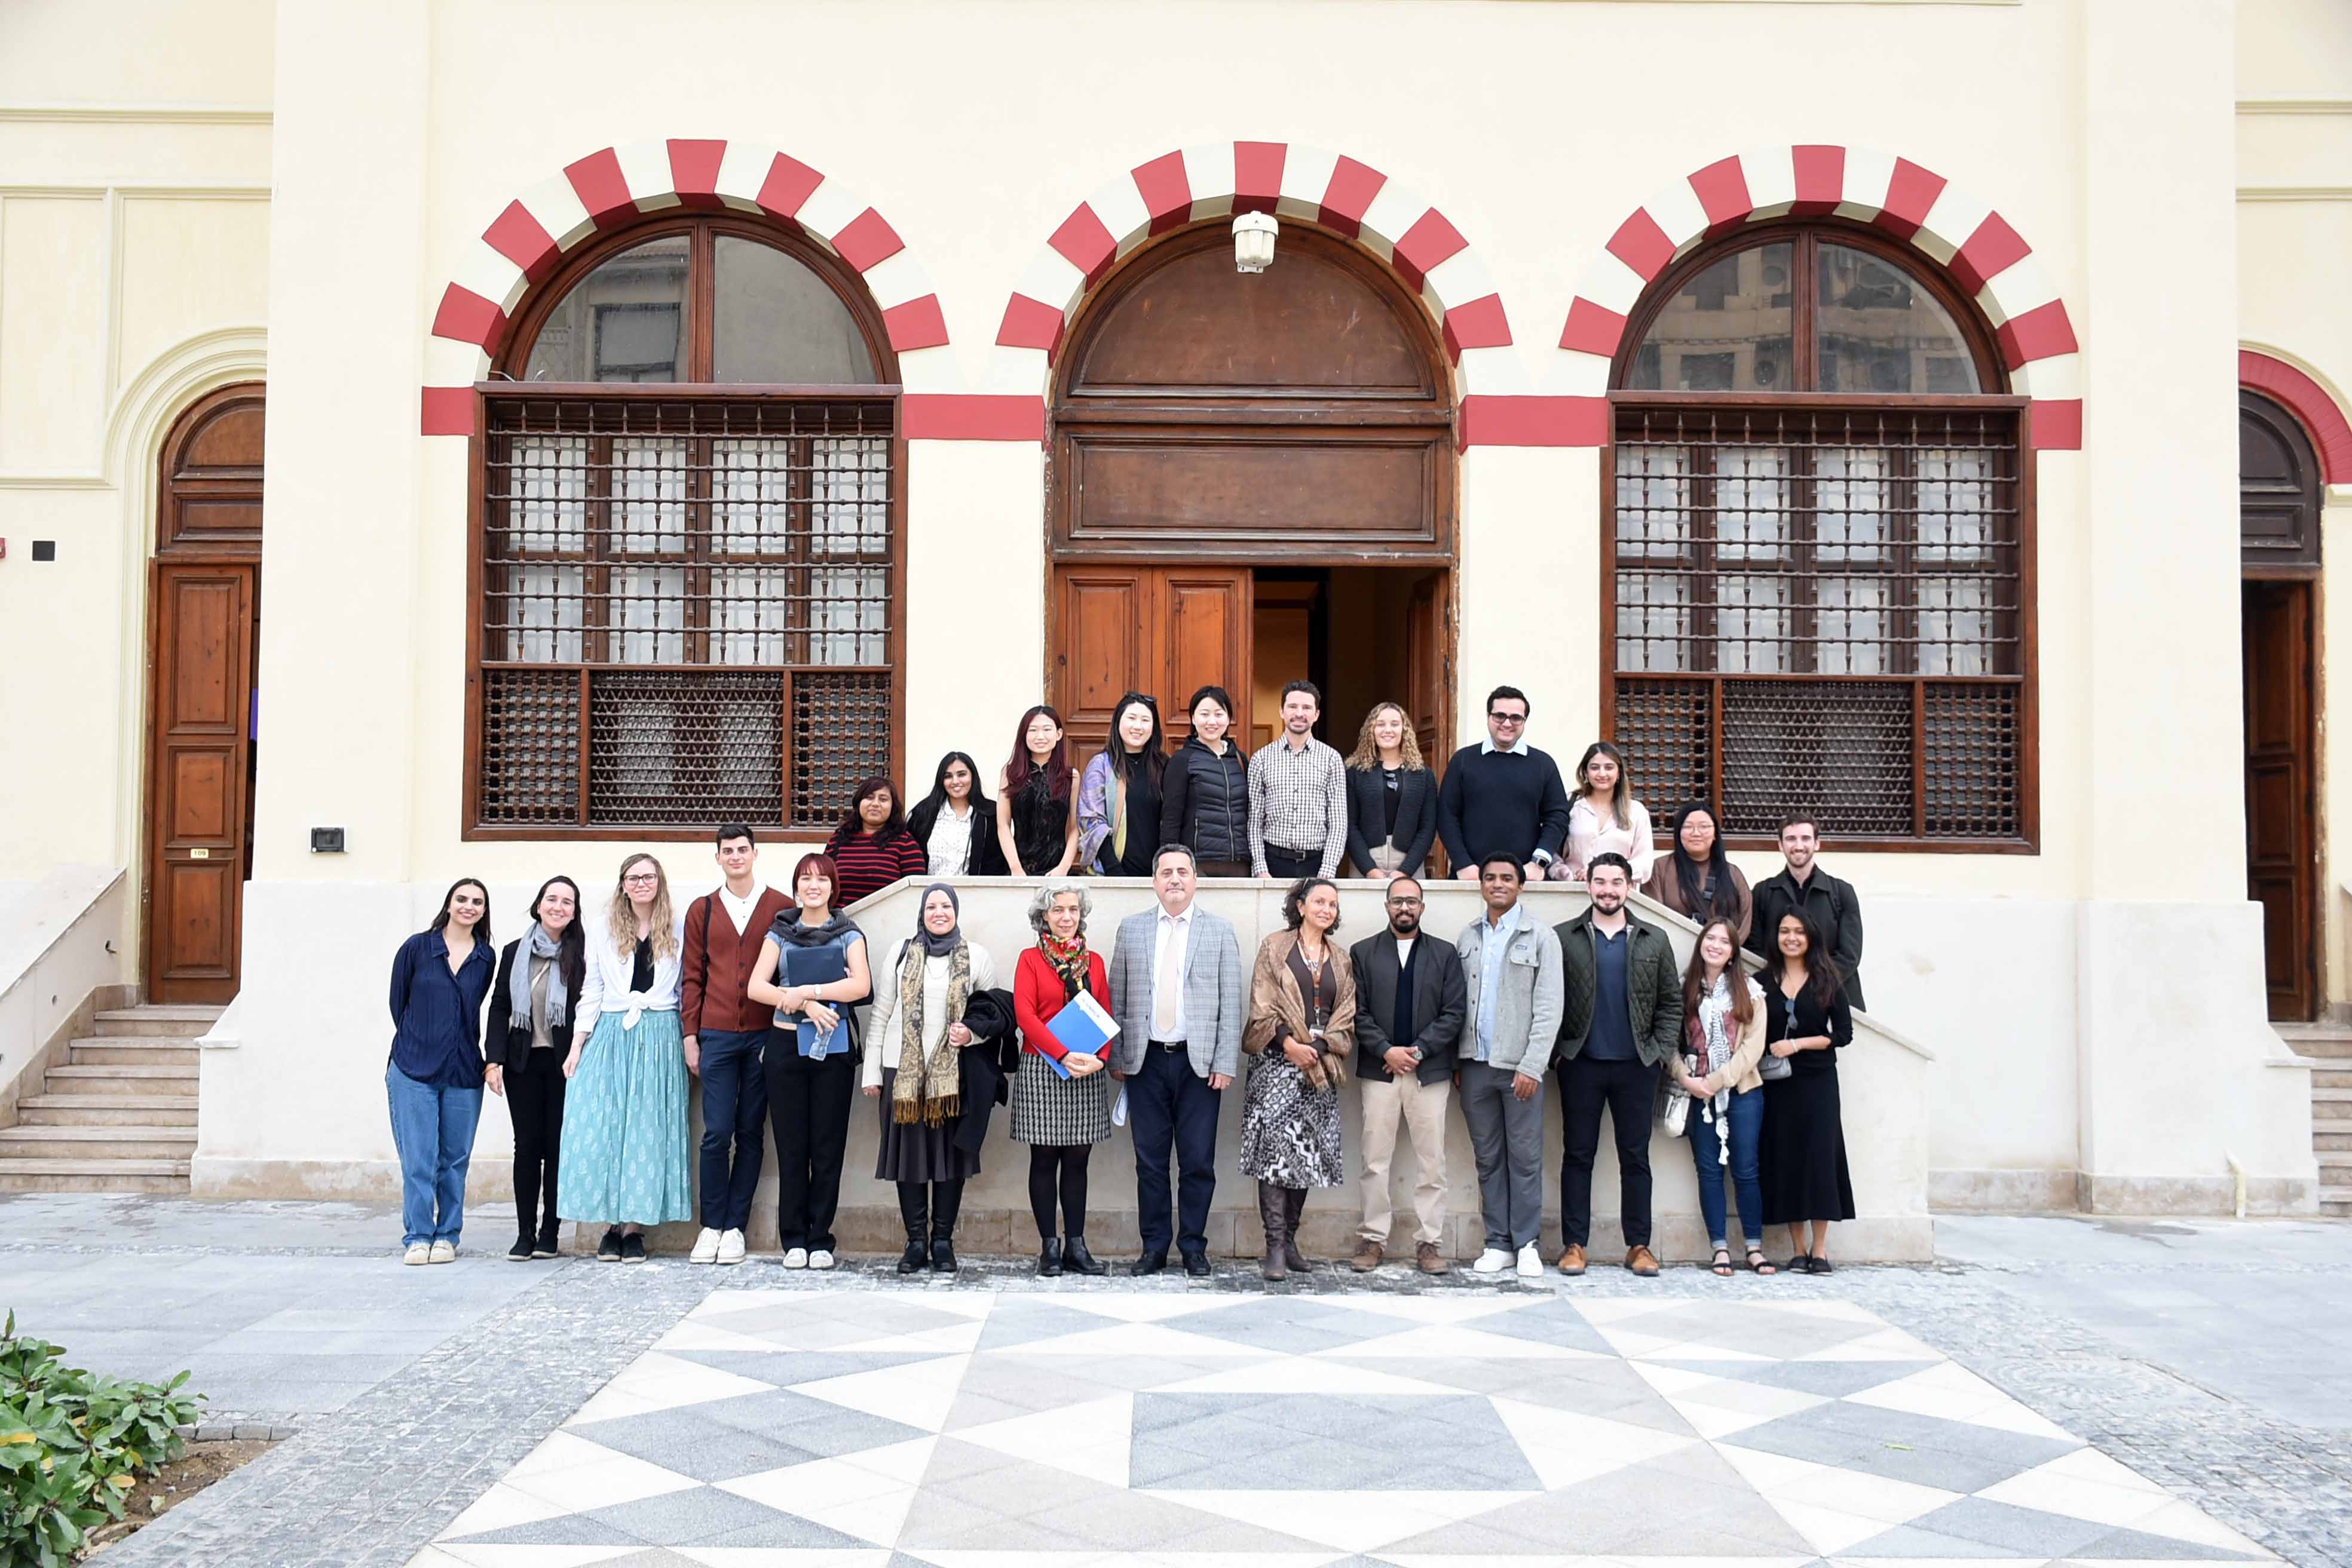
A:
775	1003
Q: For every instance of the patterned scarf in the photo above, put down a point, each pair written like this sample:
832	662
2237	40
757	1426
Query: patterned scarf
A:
1069	961
928	1089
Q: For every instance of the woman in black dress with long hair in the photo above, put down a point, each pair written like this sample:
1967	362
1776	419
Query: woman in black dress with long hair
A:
1035	823
1802	1151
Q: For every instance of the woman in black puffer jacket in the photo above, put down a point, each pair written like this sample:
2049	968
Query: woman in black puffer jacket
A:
1204	799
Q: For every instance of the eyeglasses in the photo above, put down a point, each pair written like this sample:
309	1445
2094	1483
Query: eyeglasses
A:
1405	904
1508	718
642	878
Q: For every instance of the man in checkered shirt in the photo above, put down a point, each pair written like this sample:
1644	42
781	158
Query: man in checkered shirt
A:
1298	795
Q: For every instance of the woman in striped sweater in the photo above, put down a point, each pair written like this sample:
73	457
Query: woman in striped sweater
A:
872	846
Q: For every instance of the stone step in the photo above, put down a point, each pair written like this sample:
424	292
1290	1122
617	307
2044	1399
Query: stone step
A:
2335	1202
103	1143
177	1081
107	1110
131	1051
93	1175
181	1021
2332	1077
2331	1047
2322	1095
2326	1141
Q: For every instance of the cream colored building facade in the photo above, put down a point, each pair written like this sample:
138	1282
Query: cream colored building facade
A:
323	198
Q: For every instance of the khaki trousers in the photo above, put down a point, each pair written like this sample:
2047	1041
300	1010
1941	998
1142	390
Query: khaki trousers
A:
1420	1106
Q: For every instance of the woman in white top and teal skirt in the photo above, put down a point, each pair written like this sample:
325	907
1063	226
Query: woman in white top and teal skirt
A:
624	1149
914	1067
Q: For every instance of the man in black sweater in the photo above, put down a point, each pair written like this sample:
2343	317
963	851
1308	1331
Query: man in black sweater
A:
1503	796
1831	904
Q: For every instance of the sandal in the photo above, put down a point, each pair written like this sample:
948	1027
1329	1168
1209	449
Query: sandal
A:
1722	1265
1759	1264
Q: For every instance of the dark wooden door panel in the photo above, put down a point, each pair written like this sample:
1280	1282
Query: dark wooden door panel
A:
2282	871
1208	619
1162	630
1257	495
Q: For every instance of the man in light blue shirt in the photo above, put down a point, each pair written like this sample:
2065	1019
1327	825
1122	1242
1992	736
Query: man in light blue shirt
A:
1513	964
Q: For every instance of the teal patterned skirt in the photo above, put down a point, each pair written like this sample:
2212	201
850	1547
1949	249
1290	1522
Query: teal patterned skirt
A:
625	1157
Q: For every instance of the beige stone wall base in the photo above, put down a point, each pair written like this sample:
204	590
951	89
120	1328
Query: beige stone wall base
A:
2193	1195
2001	1191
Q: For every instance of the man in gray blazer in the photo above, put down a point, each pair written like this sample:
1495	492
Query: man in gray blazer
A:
1180	995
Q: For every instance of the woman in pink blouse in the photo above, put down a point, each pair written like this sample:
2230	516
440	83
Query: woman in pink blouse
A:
1605	815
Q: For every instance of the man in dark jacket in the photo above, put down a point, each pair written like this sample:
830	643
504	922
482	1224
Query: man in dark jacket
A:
1410	999
1620	1019
1803	885
1502	796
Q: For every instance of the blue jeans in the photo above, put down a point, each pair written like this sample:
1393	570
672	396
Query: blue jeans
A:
734	1112
1746	1119
433	1128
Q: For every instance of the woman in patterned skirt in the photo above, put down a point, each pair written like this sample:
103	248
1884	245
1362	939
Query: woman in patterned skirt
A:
1300	1035
1061	1118
624	1140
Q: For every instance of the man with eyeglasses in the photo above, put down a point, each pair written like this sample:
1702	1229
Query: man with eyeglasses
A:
1502	796
1410	999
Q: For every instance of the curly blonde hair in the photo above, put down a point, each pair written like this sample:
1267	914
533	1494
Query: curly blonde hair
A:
1367	755
621	915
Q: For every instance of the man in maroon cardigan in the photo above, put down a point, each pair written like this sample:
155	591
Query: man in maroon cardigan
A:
725	1031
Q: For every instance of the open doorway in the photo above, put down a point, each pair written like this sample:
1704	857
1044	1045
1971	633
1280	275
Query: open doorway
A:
1362	635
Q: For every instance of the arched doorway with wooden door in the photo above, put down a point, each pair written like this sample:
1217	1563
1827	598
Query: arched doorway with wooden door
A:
2278	540
203	635
1252	482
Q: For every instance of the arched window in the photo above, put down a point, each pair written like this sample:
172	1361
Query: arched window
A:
687	577
1819	568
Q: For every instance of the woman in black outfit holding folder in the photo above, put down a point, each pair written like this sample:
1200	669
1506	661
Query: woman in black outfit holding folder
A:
809	1095
523	1049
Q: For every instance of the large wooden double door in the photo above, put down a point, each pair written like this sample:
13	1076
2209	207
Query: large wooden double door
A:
203	636
1163	630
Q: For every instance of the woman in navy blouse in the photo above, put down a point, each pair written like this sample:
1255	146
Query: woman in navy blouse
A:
439	979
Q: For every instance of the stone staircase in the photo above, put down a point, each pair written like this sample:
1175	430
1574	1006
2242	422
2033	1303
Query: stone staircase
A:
2329	1045
120	1116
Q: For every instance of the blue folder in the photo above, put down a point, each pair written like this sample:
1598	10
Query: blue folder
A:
816	966
1081	1026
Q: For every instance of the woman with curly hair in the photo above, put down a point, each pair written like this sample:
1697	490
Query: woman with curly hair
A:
1061	1118
1392	798
1300	1035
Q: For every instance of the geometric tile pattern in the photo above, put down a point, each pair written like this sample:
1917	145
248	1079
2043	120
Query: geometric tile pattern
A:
963	1428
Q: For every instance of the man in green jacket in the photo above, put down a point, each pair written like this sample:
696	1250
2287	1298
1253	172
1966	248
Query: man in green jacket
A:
1620	1019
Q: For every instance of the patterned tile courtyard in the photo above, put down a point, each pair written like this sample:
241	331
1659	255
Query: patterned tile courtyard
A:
969	1428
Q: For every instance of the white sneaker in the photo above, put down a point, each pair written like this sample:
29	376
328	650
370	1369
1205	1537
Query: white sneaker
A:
705	1247
1531	1265
418	1253
445	1252
820	1258
795	1258
1494	1260
731	1247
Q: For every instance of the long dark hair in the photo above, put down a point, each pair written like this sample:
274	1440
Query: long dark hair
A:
482	926
1723	901
572	947
1821	977
1058	765
1155	754
852	824
1735	978
925	813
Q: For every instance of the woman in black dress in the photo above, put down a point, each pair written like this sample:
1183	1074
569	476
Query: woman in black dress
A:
1034	823
1802	1151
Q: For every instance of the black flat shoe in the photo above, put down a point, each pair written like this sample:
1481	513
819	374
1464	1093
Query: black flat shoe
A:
1818	1266
633	1247
609	1249
1196	1264
1078	1260
1049	1258
916	1259
548	1244
520	1252
1149	1263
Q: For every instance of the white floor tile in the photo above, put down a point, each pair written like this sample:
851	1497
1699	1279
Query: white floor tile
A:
1092	1440
1349	1521
497	1509
833	1493
1566	1447
918	1394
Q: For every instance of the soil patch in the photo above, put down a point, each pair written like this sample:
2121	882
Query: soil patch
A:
158	1493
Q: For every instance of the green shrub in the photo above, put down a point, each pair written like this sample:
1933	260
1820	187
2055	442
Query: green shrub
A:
72	1446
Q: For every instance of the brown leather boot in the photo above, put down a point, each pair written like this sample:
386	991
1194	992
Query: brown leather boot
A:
1429	1260
1294	1210
1642	1261
1274	1215
1368	1257
1571	1262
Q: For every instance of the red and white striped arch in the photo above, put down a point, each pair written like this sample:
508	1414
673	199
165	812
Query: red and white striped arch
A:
1975	246
1218	179
608	189
2302	395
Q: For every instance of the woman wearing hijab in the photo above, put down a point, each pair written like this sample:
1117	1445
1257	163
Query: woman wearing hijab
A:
530	1033
1061	1118
808	1097
915	1068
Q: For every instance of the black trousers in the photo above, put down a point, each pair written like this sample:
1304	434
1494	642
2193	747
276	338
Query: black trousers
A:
1628	1092
1169	1104
1058	1171
1285	866
808	1109
535	1102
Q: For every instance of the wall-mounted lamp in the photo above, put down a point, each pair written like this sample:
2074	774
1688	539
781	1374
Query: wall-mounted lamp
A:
1253	241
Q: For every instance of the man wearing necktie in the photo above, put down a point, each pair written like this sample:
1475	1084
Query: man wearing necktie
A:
1176	989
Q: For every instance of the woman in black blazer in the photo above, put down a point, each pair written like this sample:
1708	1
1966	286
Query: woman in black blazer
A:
1392	798
529	1036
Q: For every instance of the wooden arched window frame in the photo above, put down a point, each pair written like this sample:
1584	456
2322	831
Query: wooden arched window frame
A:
2278	491
1823	600
687	594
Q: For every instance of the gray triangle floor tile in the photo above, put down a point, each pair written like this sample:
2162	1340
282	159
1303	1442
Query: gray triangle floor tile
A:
1900	1445
1688	1504
1606	1388
1910	1540
1833	1379
652	1557
1021	1321
710	1517
1750	1327
1554	1322
2020	1532
1293	1324
2132	1545
784	1368
563	1530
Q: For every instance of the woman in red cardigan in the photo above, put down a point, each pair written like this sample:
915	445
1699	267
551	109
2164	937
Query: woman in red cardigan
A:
1061	1118
872	846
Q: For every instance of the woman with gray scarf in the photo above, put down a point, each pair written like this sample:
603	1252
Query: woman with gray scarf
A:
540	974
914	1068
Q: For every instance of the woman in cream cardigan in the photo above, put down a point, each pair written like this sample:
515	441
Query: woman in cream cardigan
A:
1723	1023
1300	1039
